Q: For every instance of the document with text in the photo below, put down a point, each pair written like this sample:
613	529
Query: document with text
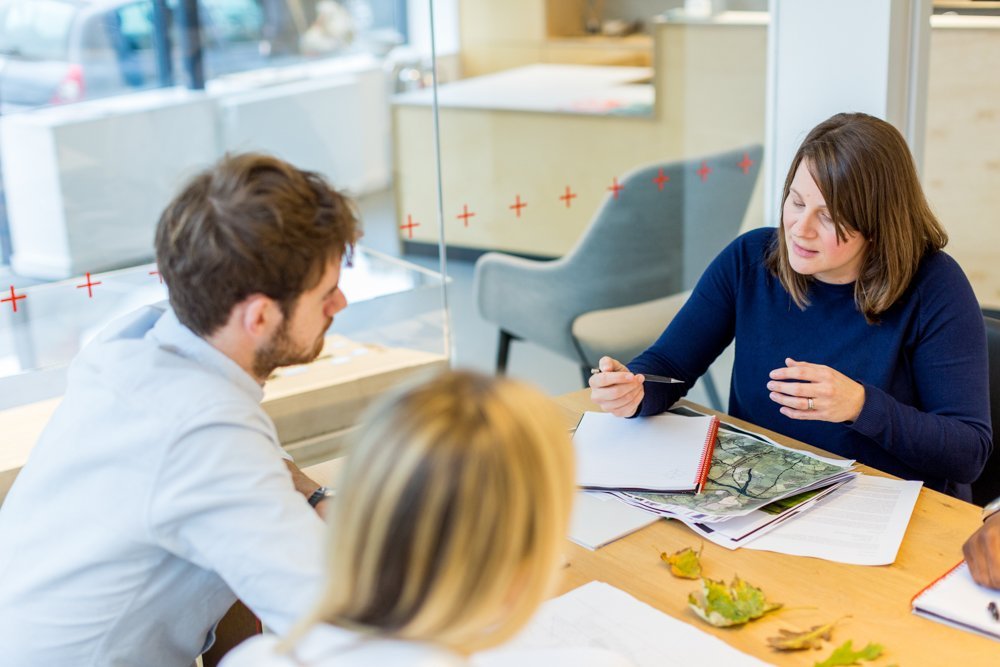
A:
861	523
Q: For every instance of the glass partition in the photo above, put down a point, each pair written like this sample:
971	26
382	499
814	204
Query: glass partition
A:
620	139
91	156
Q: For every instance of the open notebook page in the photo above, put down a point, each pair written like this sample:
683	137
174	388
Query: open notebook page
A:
664	452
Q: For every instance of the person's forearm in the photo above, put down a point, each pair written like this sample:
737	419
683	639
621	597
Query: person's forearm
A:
937	445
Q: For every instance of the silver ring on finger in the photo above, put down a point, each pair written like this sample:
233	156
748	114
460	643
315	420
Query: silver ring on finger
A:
810	404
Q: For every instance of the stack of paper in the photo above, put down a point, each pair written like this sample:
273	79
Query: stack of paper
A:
753	485
739	531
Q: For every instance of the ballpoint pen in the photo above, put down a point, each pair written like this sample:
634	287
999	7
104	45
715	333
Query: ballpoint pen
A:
648	377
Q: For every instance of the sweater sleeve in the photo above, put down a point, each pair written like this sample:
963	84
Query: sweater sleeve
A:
698	334
948	434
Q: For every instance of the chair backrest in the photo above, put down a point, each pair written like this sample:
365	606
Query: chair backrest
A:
987	487
666	225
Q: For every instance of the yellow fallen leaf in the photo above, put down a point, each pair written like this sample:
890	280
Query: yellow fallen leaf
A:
685	563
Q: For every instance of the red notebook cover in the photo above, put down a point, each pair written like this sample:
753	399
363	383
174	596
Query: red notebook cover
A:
706	454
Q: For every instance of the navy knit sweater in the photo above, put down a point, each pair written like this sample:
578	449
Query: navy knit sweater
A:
926	414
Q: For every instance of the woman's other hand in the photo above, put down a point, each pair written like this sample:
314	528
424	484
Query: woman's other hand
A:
813	391
616	389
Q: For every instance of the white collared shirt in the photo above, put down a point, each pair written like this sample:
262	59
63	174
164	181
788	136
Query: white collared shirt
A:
157	491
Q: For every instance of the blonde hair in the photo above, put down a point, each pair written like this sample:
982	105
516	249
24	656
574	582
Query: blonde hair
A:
863	168
450	515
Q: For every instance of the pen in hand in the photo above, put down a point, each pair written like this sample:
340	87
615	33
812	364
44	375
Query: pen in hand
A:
648	377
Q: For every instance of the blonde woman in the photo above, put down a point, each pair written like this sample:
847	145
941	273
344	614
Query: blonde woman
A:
854	330
446	533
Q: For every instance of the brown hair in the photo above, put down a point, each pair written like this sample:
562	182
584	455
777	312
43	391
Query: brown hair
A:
251	224
863	168
450	515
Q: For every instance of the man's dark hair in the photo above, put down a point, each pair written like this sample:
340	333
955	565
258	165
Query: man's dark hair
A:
251	224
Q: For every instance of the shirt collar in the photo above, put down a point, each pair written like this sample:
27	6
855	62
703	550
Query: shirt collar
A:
172	336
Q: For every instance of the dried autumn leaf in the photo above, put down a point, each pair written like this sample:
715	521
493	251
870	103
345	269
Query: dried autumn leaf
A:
723	606
798	641
685	563
846	655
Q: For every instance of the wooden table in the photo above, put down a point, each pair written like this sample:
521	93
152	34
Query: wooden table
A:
873	601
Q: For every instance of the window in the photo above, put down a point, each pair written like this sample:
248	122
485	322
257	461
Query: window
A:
36	29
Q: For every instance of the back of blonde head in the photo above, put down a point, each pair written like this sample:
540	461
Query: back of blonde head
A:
450	515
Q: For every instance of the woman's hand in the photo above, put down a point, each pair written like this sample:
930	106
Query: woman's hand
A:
820	392
616	389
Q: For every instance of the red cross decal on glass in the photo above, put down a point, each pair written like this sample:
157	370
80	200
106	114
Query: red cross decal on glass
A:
615	187
661	179
409	225
704	171
157	274
89	285
13	298
745	163
518	205
568	197
465	215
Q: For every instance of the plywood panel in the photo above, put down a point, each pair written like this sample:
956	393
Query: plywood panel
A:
962	152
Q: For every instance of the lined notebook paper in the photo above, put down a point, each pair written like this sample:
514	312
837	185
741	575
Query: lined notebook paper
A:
666	453
956	600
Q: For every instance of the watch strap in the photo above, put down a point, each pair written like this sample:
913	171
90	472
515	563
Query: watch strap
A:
319	495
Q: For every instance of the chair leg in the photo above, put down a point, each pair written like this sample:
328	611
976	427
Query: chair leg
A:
503	350
713	393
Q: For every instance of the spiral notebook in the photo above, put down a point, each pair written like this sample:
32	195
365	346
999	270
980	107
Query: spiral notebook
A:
956	600
664	453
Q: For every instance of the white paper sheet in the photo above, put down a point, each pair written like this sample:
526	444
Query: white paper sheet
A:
600	518
598	615
861	523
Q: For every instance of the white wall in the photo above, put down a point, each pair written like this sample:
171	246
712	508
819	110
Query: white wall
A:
826	57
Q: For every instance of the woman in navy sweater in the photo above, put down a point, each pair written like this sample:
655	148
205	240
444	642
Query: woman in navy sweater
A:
854	331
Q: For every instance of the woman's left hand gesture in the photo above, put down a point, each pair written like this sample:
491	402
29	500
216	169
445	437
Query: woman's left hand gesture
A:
816	392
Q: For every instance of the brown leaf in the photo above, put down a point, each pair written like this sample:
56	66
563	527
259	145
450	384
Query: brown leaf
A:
798	641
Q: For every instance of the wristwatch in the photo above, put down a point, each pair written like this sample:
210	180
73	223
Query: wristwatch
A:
319	495
991	508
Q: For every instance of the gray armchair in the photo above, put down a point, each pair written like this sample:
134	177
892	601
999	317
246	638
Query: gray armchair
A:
645	245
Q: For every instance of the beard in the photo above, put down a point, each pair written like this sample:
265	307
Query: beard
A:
281	350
